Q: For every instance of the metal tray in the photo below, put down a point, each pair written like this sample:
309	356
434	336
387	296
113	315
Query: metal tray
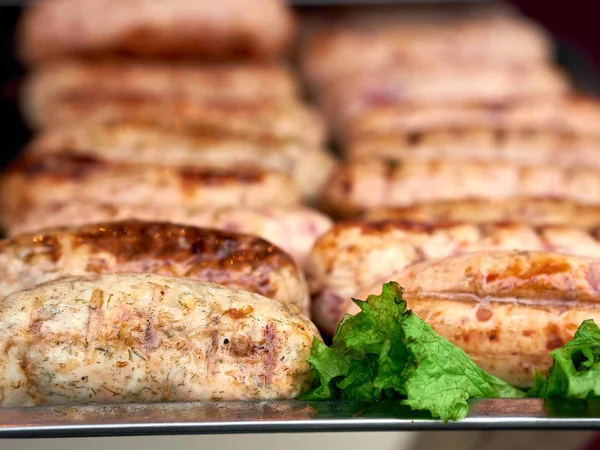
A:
288	416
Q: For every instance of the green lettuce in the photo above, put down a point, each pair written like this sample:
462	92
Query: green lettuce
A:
386	351
575	372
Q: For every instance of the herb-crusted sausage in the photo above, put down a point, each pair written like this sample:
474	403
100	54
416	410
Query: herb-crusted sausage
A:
119	338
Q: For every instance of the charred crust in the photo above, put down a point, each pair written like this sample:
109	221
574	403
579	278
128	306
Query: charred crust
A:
69	165
198	253
193	177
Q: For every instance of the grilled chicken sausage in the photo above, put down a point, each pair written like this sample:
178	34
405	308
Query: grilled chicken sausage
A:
569	114
146	143
123	338
226	258
357	186
355	255
418	36
532	211
253	119
69	178
485	144
507	310
433	85
53	82
294	229
59	28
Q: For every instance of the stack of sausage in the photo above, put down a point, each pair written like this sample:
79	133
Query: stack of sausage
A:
463	143
153	119
186	112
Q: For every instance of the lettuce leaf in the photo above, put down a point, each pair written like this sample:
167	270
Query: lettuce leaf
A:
575	372
386	351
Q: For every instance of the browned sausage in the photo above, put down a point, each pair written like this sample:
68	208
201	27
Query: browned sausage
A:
252	119
68	178
354	255
543	147
230	259
293	228
232	28
145	143
569	114
533	211
357	186
507	310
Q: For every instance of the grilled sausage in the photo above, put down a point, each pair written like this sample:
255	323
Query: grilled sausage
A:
294	229
53	82
507	310
355	255
59	28
129	338
358	186
382	36
485	144
433	85
69	178
148	144
253	119
569	114
226	258
532	211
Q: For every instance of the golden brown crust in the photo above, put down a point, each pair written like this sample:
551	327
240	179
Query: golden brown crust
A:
63	178
230	259
294	228
357	186
532	211
58	28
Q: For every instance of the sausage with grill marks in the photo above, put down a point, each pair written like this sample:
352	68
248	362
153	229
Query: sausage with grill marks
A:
529	210
231	259
294	228
59	178
355	255
147	28
145	143
507	310
543	147
139	338
357	186
252	118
